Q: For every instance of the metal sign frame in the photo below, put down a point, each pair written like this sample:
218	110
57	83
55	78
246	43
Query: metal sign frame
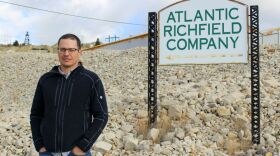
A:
255	72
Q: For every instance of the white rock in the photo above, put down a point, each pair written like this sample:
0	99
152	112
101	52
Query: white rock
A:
166	102
4	125
223	111
109	136
119	134
212	98
154	134
165	143
98	154
194	130
102	146
166	152
19	143
142	114
208	151
233	98
270	139
271	111
241	122
271	82
217	138
127	128
175	111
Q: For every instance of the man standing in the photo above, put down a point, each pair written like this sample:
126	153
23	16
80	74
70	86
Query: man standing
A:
69	109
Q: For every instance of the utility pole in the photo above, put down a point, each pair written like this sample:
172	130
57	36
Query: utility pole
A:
116	38
109	38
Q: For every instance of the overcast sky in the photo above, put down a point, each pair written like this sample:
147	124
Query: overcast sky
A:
46	28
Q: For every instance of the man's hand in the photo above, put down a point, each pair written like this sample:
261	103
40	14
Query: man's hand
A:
43	149
77	151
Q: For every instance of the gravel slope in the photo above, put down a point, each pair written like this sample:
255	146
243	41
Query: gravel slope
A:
204	109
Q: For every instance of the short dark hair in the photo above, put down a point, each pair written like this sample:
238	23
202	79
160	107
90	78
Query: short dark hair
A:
70	36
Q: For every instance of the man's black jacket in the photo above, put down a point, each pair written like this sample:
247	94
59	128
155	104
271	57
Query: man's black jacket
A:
68	112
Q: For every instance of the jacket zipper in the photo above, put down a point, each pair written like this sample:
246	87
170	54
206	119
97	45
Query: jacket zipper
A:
69	96
55	98
57	115
60	112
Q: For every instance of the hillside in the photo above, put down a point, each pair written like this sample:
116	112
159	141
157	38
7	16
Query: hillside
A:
203	109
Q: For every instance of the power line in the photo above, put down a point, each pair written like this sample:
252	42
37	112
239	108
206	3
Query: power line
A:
78	16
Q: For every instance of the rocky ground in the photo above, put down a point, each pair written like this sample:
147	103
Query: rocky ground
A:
203	109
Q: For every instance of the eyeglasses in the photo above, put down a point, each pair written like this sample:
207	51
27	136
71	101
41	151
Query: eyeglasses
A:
70	50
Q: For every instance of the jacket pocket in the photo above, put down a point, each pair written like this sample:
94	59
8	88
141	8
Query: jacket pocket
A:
48	127
73	127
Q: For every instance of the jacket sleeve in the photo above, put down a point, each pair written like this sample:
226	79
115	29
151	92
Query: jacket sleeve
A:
100	117
36	116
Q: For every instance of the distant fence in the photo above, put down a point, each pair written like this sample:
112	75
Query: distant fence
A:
270	40
6	39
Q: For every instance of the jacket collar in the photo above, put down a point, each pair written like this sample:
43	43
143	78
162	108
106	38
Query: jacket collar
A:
55	70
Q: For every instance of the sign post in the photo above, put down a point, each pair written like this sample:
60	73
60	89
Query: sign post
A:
152	69
255	75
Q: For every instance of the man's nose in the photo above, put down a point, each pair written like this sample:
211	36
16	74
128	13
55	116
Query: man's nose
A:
66	52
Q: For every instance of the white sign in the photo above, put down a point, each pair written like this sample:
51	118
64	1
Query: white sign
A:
203	32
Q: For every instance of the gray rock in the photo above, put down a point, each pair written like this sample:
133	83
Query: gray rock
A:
165	143
144	145
131	144
127	128
157	148
270	139
168	136
180	133
166	152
